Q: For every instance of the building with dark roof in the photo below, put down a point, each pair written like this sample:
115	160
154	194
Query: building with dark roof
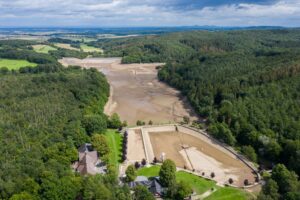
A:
88	161
152	184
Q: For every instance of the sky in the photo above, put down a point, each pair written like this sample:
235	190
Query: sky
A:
128	13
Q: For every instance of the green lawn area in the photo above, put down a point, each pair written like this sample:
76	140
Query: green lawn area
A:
40	48
200	185
228	193
149	171
15	64
114	140
87	48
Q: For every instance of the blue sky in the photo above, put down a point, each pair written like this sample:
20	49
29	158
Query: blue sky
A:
103	13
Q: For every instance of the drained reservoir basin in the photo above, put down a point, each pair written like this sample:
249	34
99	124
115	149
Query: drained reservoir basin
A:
136	93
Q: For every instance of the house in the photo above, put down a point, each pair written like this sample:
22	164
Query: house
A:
88	161
152	184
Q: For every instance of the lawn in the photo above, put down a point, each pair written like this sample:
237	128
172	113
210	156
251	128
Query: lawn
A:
15	64
228	193
149	171
200	185
88	49
40	48
114	140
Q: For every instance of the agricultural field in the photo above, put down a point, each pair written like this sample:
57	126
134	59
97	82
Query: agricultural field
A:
79	38
15	64
66	46
40	48
88	49
114	140
201	186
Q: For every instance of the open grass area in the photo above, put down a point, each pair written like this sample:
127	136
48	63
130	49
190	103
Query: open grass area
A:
15	64
114	140
200	185
40	48
149	171
228	193
87	48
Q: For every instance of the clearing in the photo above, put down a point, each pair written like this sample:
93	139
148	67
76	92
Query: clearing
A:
89	49
200	185
41	48
15	64
136	93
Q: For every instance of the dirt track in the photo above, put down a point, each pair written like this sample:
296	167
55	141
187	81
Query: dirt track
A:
136	93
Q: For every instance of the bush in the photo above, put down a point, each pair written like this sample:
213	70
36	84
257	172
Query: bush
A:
114	121
144	162
130	173
212	175
183	190
137	165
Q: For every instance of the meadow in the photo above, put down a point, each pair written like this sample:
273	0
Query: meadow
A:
88	49
15	64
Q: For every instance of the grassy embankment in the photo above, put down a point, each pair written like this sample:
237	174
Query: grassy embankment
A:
201	185
15	64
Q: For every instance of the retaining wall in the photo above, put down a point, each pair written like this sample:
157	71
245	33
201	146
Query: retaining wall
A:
196	133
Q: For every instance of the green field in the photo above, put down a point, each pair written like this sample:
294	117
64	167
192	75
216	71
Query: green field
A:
201	185
43	48
15	64
114	140
149	171
87	48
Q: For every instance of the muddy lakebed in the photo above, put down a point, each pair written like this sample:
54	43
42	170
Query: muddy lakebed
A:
136	93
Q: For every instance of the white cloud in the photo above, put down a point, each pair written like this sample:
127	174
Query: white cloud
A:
143	13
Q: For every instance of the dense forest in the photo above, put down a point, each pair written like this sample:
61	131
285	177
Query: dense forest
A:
47	112
245	83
